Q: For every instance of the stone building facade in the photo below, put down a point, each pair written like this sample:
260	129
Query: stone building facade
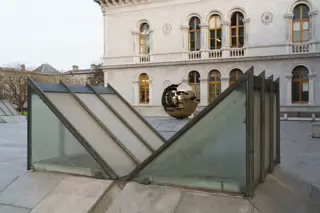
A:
150	44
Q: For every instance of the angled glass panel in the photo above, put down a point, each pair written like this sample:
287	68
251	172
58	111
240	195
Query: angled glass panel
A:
257	135
136	122
94	134
10	107
115	125
211	154
267	131
54	148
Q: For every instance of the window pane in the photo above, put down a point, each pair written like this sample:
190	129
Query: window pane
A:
305	35
305	91
305	75
218	22
296	73
305	25
218	45
296	36
198	77
296	26
295	91
192	36
241	31
212	34
198	24
207	155
198	41
234	20
212	24
234	42
212	44
305	11
241	41
296	15
219	35
233	31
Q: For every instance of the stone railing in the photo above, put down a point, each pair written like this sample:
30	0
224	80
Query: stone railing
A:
300	48
194	55
237	52
215	53
144	58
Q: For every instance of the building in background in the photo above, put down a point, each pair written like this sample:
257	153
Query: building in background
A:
151	44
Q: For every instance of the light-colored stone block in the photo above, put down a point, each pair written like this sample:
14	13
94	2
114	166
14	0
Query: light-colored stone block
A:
81	186
204	203
136	198
65	203
12	209
316	130
29	189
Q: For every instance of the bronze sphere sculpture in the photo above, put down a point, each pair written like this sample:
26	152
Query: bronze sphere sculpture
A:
179	100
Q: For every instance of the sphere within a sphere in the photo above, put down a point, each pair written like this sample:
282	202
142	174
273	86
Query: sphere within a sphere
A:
179	100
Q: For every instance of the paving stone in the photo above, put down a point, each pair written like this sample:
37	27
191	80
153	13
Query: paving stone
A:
65	203
81	186
205	203
13	209
29	189
136	198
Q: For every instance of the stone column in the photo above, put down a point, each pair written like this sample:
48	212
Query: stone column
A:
185	45
312	30
136	92
288	22
246	32
204	40
226	38
203	91
224	83
136	46
104	12
312	78
150	92
289	89
151	44
105	77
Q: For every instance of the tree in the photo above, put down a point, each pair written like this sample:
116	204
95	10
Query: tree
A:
16	87
97	78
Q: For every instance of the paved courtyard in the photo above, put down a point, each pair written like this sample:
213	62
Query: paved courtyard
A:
300	153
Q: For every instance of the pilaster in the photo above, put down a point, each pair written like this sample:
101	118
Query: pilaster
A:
185	45
204	40
312	78
135	34
203	91
104	12
136	92
246	31
288	23
289	89
226	39
224	83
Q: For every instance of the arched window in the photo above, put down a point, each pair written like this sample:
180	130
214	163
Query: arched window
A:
300	24
215	32
194	82
300	85
237	30
214	85
144	88
234	75
194	34
144	39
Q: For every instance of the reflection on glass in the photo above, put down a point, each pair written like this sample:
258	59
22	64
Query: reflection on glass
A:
207	155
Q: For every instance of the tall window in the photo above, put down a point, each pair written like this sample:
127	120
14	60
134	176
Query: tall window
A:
214	85
215	36
194	34
300	28
144	39
144	88
237	30
194	82
234	75
300	85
